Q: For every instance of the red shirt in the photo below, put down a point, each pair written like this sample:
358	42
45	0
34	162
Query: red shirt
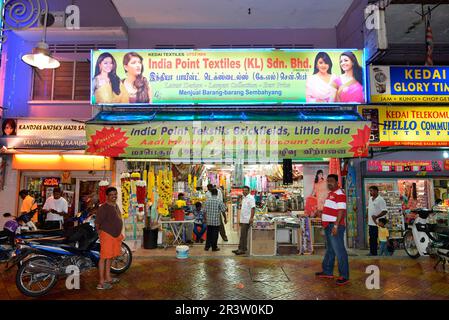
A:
335	201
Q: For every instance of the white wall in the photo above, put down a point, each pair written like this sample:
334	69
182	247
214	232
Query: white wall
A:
8	196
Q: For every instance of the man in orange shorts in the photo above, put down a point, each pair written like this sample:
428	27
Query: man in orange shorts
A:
109	225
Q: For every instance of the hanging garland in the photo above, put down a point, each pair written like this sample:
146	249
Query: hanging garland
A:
126	191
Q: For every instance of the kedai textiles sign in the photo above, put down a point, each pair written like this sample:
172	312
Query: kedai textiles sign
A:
259	76
403	84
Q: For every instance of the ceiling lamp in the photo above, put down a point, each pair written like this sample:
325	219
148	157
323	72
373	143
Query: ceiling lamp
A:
41	57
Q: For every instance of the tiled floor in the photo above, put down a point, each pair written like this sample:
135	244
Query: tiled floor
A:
217	276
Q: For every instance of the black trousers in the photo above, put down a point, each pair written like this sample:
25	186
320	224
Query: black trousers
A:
373	235
243	244
212	237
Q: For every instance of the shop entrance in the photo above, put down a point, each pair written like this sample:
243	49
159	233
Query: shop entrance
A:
400	195
272	196
77	187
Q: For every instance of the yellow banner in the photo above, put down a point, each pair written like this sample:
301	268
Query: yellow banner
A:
407	126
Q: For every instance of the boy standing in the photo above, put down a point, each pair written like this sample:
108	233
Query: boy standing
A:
383	236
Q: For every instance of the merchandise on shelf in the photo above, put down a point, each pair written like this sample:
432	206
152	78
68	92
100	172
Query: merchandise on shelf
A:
395	217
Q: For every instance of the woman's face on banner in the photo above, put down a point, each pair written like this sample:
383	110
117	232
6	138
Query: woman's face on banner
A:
106	65
322	65
134	66
345	63
8	129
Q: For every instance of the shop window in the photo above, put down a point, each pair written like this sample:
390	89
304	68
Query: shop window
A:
69	82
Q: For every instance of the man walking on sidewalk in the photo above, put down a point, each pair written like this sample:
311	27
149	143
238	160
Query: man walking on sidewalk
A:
333	219
246	220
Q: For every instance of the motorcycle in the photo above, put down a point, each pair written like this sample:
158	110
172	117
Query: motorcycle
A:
43	261
7	237
425	237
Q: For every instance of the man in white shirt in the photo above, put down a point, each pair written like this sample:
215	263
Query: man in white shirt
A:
55	207
246	220
377	208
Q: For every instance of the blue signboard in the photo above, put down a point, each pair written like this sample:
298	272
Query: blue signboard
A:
409	84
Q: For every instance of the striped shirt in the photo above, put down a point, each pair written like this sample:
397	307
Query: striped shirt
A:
335	201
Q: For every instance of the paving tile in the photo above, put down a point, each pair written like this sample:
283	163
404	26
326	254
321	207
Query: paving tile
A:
245	278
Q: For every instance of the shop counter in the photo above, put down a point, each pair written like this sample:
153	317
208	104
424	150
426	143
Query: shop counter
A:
285	235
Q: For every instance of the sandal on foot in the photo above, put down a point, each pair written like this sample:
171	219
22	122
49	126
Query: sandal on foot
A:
105	286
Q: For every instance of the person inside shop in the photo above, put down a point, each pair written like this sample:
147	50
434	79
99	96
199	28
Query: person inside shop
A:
377	208
109	224
56	207
383	236
213	208
246	220
223	217
200	226
409	202
136	84
333	221
28	205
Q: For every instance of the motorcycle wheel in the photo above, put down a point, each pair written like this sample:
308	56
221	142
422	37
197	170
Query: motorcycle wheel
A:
410	246
34	284
123	262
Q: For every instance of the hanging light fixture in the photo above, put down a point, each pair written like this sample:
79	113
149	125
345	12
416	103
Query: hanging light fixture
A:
41	57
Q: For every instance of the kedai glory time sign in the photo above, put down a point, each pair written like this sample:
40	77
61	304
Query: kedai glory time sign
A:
419	84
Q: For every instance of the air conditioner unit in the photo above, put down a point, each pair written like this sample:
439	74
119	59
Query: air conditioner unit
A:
54	19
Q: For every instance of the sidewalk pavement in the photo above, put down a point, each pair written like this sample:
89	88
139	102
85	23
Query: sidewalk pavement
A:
216	276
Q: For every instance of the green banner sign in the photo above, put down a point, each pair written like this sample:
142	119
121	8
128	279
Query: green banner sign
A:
183	141
142	77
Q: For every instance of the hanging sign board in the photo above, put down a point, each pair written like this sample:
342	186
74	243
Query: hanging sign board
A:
43	134
259	76
405	84
407	126
261	141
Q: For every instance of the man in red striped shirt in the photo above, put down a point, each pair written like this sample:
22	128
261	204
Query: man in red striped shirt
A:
333	219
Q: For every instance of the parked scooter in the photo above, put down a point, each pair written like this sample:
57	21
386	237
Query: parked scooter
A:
45	261
424	237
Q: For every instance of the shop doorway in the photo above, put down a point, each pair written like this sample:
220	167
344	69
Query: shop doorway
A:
87	193
400	195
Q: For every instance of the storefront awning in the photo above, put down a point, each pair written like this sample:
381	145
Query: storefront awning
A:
138	117
226	136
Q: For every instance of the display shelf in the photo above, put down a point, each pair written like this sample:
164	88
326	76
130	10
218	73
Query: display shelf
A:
394	216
